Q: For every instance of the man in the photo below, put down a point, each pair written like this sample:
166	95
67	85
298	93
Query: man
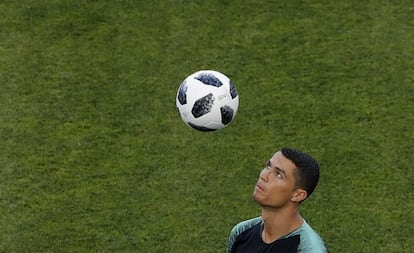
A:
288	179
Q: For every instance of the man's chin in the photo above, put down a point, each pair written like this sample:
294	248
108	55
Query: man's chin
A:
256	198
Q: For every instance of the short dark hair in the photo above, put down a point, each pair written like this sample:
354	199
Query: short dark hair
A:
307	172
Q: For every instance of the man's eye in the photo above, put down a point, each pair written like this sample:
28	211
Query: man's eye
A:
278	174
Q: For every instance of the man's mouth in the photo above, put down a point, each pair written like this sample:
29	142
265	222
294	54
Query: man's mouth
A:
258	187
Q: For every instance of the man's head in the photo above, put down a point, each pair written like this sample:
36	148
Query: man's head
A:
289	176
307	169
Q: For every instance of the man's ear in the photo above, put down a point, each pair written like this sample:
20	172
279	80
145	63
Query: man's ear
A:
299	195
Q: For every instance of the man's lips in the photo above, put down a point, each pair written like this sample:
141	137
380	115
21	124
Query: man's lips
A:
259	187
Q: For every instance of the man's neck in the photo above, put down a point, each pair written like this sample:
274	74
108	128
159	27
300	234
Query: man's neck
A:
279	222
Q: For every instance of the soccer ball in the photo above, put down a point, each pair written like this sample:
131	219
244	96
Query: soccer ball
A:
207	100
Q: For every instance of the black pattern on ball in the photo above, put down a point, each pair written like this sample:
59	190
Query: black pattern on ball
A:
201	128
226	114
209	79
233	90
203	105
182	93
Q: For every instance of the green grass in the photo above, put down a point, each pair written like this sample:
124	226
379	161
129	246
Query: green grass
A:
94	156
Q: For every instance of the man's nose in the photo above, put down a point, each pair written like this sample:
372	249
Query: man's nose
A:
263	174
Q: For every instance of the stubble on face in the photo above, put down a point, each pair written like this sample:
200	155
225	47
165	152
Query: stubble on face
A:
276	182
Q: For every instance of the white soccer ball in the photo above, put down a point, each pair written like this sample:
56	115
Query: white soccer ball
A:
207	100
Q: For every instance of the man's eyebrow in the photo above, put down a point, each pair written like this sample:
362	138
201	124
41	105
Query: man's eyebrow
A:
269	164
281	171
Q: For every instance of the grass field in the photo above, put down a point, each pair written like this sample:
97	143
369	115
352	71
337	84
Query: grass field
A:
95	158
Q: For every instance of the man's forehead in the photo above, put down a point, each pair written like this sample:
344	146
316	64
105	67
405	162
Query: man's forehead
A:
279	160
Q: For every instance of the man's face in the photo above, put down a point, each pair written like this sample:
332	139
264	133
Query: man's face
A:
276	184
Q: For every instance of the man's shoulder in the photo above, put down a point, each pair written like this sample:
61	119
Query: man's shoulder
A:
240	228
310	240
245	225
